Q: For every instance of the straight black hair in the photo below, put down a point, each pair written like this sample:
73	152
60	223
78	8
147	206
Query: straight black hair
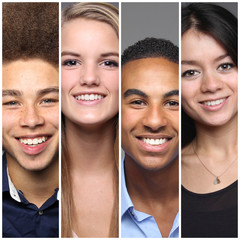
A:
218	23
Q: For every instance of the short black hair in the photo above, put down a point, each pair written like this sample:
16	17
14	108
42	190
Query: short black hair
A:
30	30
151	48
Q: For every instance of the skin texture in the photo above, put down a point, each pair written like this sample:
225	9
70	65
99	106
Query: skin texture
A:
30	113
152	116
211	75
150	110
89	67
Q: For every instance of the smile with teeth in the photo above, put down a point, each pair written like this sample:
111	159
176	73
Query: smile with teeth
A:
214	103
33	141
89	97
155	142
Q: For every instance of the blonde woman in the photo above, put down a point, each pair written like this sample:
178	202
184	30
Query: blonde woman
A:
90	49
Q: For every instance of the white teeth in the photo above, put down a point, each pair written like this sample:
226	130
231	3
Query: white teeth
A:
155	142
213	103
89	97
33	142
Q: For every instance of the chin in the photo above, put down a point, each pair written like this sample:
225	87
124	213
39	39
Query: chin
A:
34	166
218	121
39	163
154	165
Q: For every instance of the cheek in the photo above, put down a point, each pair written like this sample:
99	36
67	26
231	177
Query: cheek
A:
175	120
189	91
52	117
69	80
233	83
130	118
111	82
9	120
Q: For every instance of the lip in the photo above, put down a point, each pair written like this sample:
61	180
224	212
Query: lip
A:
89	102
154	148
216	107
33	150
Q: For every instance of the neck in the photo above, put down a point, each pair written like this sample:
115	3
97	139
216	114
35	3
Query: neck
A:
90	148
37	186
221	140
160	185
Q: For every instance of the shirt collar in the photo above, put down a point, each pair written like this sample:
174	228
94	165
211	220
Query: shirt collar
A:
175	226
125	198
7	183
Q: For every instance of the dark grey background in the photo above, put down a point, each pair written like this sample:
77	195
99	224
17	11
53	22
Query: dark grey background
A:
141	20
230	6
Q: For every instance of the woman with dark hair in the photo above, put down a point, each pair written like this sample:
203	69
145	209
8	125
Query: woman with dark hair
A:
90	119
209	121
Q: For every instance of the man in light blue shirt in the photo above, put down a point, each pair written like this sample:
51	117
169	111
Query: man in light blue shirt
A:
150	115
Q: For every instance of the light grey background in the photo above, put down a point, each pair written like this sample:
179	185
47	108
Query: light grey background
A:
230	6
141	20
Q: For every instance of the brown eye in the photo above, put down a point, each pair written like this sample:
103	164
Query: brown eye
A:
70	63
190	73
110	63
225	67
138	102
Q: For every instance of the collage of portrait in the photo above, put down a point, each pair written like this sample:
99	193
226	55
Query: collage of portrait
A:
94	143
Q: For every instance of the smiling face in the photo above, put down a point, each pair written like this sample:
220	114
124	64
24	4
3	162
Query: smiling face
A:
150	112
209	80
89	72
30	113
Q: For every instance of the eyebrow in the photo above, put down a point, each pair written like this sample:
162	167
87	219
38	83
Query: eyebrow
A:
11	92
109	54
192	62
48	90
171	93
134	91
17	93
64	53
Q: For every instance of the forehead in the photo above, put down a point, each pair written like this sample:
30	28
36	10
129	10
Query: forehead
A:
150	75
87	31
29	75
206	46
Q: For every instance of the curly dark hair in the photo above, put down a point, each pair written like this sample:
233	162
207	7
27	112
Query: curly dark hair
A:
151	48
30	30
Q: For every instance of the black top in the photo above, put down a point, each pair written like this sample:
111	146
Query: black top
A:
211	214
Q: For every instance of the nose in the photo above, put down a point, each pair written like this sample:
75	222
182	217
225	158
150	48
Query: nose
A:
31	117
211	83
90	75
155	119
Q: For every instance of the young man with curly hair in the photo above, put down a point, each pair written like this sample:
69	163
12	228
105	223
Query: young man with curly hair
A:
30	113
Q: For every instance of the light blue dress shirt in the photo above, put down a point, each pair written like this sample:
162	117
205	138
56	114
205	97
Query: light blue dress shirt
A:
135	224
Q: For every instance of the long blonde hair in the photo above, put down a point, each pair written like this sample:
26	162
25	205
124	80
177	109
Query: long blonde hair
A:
107	13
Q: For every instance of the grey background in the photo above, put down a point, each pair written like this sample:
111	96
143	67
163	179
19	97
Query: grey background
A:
230	6
141	20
